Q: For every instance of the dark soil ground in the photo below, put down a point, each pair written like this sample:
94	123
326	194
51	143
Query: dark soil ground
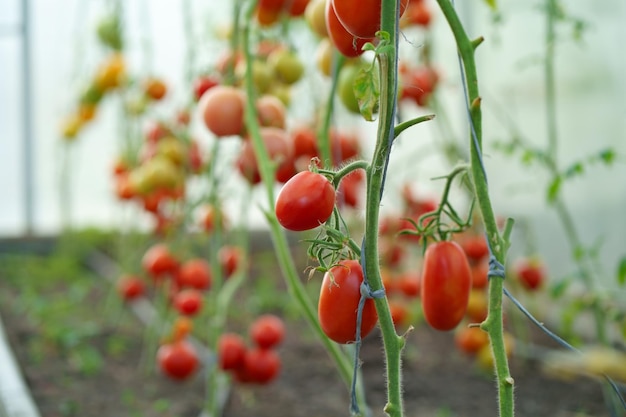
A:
67	380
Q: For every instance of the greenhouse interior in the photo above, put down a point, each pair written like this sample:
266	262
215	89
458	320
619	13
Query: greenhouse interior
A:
300	208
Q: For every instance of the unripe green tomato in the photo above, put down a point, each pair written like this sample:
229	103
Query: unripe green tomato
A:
345	87
286	65
109	32
172	149
262	74
160	172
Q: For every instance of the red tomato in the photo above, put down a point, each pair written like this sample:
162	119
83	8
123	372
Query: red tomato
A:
418	84
222	108
471	339
267	331
297	7
304	142
230	259
231	351
158	261
530	272
409	284
305	201
338	302
261	366
271	112
278	147
361	18
202	84
155	88
130	287
446	284
399	313
188	302
417	13
480	279
178	360
344	146
475	246
343	40
351	191
195	273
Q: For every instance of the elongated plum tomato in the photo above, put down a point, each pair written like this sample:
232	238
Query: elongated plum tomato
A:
446	284
339	300
343	40
305	201
231	351
267	331
177	360
222	109
361	18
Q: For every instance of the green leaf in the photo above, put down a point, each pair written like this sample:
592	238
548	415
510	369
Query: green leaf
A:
558	289
621	271
575	169
553	189
367	91
607	156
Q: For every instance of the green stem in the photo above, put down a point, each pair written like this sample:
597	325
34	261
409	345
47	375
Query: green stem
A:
393	344
493	324
549	74
323	140
281	245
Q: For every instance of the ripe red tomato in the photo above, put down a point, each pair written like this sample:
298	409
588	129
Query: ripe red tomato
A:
343	40
305	201
480	272
530	273
202	84
339	298
361	18
399	313
304	142
475	246
231	351
297	7
471	339
188	302
195	273
267	331
261	366
418	84
130	287
344	146
351	191
278	147
154	88
158	260
409	284
230	258
271	112
178	360
446	283
222	108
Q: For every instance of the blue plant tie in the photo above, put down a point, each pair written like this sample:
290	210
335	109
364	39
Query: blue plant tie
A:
366	293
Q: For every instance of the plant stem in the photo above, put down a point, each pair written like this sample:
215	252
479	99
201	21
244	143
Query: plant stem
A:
324	139
281	245
493	323
393	344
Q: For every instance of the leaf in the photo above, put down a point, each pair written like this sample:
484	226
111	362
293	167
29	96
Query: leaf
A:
607	156
558	289
575	169
553	189
367	91
621	271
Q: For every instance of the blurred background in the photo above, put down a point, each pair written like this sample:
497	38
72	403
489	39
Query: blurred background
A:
48	49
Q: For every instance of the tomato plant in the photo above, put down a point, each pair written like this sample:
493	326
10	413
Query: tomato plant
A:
339	297
446	283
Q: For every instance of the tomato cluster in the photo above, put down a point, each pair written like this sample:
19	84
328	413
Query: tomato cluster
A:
260	363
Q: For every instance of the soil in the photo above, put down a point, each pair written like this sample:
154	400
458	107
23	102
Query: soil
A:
438	380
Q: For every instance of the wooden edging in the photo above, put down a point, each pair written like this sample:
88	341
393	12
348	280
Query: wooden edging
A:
15	398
